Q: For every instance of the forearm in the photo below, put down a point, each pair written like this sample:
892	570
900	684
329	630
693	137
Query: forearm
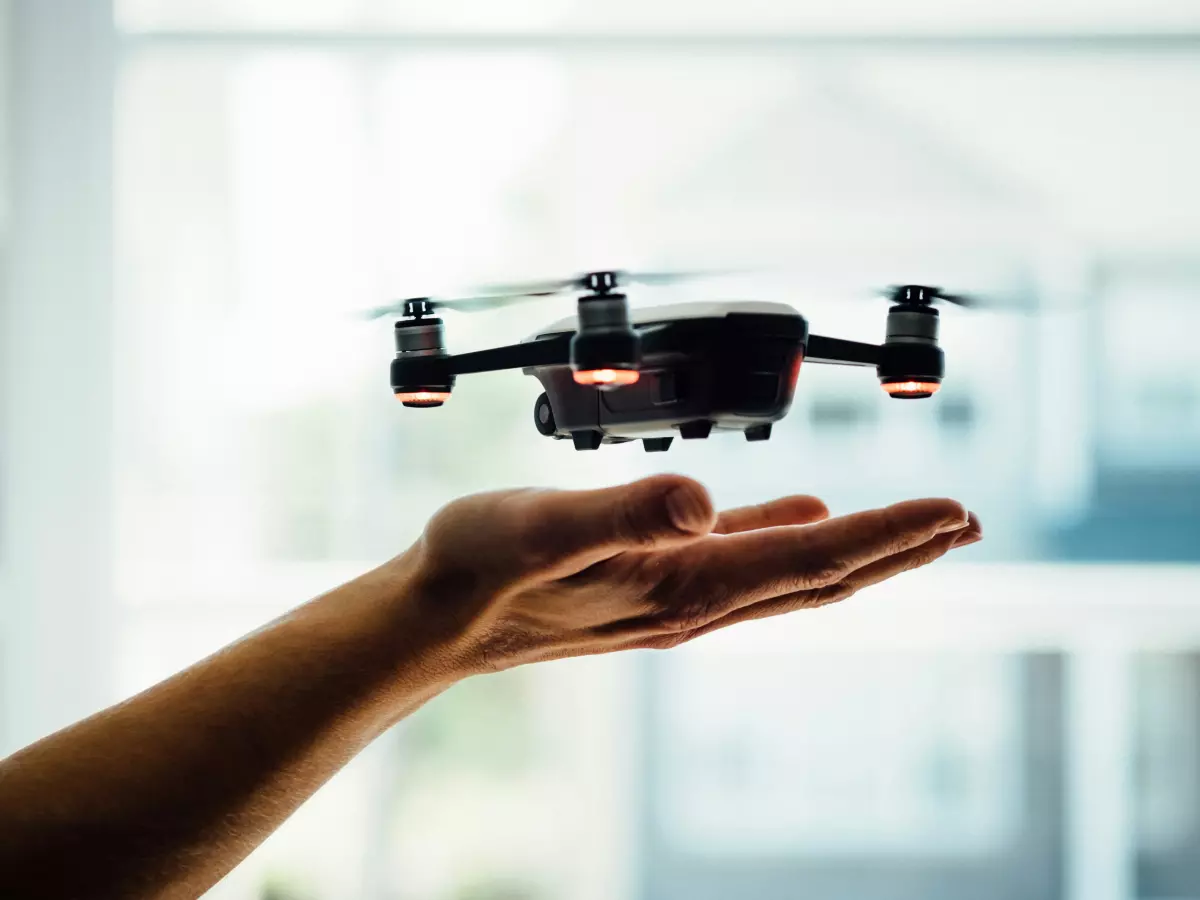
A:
163	794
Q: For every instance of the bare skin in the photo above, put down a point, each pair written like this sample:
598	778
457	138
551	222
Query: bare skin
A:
160	796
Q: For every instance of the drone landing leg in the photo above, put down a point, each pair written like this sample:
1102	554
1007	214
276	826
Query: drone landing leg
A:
656	445
587	440
759	432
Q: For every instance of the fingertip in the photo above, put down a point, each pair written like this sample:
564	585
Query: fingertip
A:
819	511
805	509
690	507
972	533
940	513
953	515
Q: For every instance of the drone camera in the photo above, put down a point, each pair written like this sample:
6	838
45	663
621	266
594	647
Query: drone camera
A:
605	351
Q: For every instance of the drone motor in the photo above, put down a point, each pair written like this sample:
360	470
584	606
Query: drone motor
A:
417	338
911	365
605	351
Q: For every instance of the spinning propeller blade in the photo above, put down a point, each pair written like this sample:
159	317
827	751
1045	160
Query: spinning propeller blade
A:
925	294
611	278
496	296
431	305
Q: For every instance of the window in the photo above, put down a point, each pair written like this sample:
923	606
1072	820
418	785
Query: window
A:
1014	723
272	186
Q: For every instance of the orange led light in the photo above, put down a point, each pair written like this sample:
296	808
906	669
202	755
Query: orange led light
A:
912	387
606	376
795	374
425	398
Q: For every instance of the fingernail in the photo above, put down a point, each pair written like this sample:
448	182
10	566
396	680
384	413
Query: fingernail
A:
968	537
688	511
954	524
974	526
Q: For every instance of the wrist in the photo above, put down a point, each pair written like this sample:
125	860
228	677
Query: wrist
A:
400	641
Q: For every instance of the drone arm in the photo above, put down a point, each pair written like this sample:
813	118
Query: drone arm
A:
838	352
551	351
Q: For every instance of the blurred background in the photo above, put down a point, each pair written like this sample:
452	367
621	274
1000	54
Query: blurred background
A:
197	434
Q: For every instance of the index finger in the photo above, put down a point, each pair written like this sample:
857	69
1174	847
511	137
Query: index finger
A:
800	509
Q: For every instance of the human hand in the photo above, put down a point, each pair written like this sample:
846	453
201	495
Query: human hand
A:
528	575
164	793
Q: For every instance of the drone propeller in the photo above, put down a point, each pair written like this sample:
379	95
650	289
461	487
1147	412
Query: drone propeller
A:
424	306
496	296
926	295
593	282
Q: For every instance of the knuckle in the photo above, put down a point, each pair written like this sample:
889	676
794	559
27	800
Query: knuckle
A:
665	584
681	603
687	616
646	574
830	593
824	571
927	556
917	560
666	641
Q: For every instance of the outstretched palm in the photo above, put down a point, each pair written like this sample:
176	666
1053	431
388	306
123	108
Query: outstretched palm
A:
534	575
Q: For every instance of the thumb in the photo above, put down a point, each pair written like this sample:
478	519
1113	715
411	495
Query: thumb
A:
586	527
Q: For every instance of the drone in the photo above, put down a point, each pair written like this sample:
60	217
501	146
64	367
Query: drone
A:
609	375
